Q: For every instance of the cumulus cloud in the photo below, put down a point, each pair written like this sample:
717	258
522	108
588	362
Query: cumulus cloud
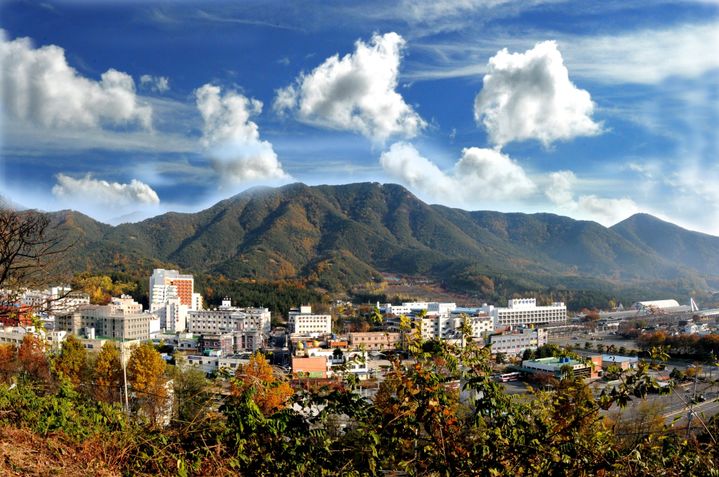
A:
158	84
355	92
104	193
529	96
39	86
232	141
480	174
607	211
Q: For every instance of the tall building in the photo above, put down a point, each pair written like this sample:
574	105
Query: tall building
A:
172	296
165	284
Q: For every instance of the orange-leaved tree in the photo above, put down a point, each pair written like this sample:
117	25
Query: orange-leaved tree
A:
269	392
146	375
108	373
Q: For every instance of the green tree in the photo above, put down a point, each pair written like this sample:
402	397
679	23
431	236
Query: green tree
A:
193	397
72	361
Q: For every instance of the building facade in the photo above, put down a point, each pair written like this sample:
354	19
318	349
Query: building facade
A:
525	312
303	322
515	342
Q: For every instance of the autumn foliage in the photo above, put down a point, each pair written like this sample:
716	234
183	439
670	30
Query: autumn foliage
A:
269	392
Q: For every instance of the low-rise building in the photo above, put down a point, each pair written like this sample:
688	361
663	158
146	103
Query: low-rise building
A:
375	340
310	367
515	342
558	366
624	362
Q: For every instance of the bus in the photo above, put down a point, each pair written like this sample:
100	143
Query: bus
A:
506	377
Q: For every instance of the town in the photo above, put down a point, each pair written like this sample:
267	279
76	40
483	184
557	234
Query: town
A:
530	344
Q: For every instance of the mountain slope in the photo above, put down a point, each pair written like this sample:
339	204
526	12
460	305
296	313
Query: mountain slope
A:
692	249
342	235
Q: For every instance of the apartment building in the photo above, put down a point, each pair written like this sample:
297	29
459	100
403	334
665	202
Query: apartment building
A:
302	321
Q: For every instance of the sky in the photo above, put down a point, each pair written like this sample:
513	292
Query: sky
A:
595	110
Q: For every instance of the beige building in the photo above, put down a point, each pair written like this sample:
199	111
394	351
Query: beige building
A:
375	340
118	320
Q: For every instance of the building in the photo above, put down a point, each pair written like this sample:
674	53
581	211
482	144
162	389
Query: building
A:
556	366
222	344
375	340
303	322
229	319
169	284
54	300
525	312
109	321
624	362
515	342
214	364
310	367
173	316
656	305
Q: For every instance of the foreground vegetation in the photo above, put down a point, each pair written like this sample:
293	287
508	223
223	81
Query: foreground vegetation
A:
440	414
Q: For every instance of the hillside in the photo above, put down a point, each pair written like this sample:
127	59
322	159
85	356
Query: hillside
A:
339	236
693	249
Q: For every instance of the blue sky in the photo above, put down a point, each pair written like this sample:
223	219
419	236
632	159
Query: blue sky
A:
596	110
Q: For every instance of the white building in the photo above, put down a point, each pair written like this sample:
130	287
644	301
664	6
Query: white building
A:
228	319
173	316
525	312
516	341
303	322
54	300
168	284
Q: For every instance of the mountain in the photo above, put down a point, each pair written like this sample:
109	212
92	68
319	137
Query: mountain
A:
692	249
339	236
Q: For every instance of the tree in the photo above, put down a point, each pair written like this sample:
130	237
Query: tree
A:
32	360
192	395
72	361
258	380
500	358
8	362
28	246
146	375
108	374
376	317
101	288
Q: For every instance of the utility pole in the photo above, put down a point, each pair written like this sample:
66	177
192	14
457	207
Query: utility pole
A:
124	374
690	415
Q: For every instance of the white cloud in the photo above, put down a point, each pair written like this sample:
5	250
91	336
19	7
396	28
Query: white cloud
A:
355	92
646	56
529	96
639	56
104	193
159	84
39	86
480	174
232	140
606	211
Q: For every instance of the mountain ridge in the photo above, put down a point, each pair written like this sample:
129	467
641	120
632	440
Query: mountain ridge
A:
339	236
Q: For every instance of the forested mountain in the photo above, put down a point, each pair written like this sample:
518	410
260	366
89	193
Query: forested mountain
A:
337	236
